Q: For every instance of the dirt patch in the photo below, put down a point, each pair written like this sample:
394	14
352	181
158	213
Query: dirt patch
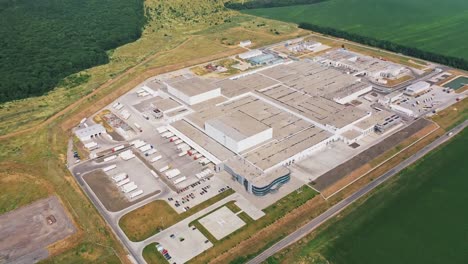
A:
26	232
108	193
333	176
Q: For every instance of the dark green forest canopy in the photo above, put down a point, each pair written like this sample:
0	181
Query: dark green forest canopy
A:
43	41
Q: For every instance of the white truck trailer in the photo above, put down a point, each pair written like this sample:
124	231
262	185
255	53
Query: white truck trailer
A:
138	143
118	148
119	177
113	157
172	173
127	155
179	180
183	145
136	193
108	168
162	129
154	159
163	169
123	182
129	187
151	151
145	148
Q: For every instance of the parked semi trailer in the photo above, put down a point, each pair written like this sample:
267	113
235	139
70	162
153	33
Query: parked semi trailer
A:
136	193
108	168
119	177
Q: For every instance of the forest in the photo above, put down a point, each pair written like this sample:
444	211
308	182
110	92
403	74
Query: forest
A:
42	42
390	46
252	4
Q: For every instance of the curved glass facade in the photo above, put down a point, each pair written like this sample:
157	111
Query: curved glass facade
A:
273	186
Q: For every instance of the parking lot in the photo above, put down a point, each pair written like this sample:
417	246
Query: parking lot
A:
197	193
427	101
109	185
184	244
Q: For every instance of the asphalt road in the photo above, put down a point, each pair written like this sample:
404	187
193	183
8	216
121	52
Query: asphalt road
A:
316	222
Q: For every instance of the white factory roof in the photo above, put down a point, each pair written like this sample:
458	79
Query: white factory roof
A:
238	125
250	54
193	86
91	130
419	86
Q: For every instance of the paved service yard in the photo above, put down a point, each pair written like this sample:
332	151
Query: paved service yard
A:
192	245
26	232
222	222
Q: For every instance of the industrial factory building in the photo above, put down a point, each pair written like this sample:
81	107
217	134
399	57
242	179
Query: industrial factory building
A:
194	90
257	124
90	132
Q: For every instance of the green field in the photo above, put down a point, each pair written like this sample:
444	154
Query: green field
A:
419	218
430	25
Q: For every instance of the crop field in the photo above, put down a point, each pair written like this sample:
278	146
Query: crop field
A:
417	218
430	25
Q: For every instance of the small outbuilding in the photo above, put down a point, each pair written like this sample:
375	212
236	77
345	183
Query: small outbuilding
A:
90	132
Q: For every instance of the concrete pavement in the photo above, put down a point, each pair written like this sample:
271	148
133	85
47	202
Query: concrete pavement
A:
316	222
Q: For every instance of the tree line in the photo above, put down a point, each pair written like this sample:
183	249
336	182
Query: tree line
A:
42	42
252	4
390	46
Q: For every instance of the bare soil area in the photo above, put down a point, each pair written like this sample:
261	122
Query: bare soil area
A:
25	233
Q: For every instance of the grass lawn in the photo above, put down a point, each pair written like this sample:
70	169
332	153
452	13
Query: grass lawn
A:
152	255
158	215
437	26
418	218
452	115
20	190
